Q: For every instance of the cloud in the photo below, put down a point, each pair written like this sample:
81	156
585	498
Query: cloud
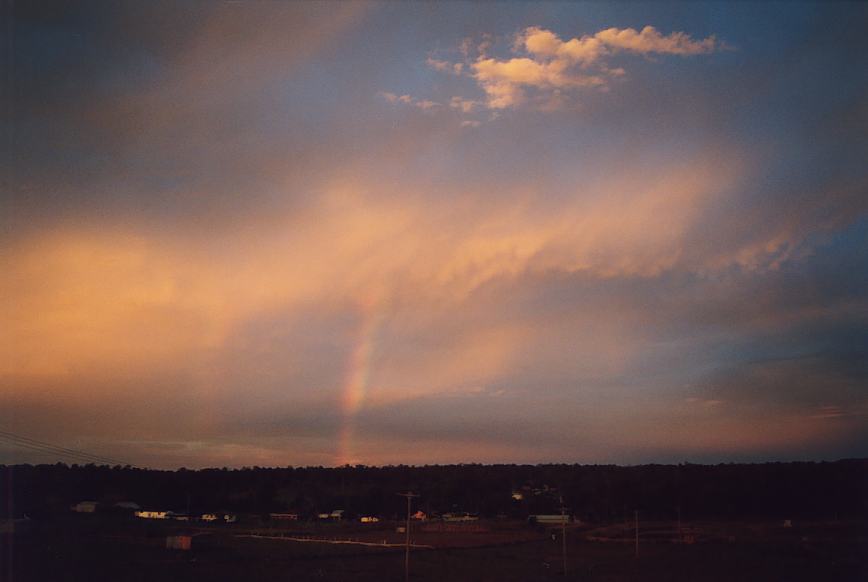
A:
445	66
464	105
423	104
554	68
650	41
504	82
587	50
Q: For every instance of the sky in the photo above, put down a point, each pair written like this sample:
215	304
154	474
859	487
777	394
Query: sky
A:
291	233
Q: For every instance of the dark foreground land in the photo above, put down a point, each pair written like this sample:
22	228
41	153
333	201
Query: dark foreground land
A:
764	522
91	548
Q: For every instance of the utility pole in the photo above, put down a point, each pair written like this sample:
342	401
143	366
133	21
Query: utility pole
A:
636	525
564	534
409	495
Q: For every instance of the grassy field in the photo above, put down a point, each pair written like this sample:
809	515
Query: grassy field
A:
95	549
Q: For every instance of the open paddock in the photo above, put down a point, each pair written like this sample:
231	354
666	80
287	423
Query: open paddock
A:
110	551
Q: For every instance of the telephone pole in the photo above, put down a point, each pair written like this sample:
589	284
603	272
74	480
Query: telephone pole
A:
564	534
409	495
636	522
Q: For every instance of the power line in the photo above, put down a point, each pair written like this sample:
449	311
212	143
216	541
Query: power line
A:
30	441
56	451
33	444
53	446
46	451
48	448
78	457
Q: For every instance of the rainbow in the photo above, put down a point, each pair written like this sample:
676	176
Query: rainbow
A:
355	387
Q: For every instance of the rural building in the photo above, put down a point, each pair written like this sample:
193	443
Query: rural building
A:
85	507
552	519
147	514
460	517
13	526
219	516
127	505
178	542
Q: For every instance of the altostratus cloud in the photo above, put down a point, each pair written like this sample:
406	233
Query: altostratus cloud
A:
548	70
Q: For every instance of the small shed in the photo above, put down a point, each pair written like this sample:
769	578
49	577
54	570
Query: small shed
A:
85	507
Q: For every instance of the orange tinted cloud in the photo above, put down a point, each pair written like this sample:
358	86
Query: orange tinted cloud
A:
554	66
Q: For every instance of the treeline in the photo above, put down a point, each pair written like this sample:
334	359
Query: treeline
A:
597	493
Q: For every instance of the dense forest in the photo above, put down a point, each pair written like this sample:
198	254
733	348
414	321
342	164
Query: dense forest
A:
595	493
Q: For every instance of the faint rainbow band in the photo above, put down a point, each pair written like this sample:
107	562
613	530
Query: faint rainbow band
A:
356	385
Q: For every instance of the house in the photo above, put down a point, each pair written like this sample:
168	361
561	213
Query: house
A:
460	517
85	507
147	514
127	506
552	519
219	516
12	526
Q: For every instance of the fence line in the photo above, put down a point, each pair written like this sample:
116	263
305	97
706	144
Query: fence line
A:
335	541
